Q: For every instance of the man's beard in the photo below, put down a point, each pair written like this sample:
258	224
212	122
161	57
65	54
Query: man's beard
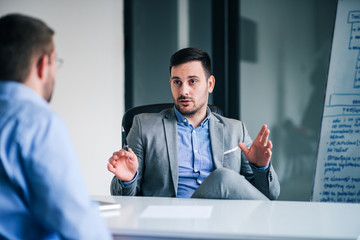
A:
190	112
49	88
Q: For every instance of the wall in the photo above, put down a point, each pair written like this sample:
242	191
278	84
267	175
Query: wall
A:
154	39
160	28
89	90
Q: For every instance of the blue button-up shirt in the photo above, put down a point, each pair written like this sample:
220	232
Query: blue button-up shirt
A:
195	157
42	194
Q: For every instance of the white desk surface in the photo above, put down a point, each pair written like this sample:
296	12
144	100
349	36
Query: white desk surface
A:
231	219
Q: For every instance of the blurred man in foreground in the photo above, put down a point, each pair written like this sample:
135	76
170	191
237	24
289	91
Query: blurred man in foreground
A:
42	195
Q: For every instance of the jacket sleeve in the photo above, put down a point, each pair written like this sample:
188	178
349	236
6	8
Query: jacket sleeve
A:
135	143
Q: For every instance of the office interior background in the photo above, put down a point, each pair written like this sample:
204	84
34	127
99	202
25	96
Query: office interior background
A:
270	63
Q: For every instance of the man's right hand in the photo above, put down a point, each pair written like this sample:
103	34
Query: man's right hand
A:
123	164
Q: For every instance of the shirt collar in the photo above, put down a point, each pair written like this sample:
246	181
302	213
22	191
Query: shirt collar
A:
182	119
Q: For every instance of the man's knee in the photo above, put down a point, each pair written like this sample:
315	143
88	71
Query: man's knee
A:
224	175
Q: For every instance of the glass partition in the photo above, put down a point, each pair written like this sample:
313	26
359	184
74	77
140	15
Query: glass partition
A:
283	78
284	49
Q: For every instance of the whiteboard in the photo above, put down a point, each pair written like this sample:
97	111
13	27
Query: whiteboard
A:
337	173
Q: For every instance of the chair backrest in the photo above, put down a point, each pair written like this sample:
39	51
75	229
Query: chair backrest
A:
129	115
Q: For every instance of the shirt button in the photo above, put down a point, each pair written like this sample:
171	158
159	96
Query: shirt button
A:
196	170
199	181
195	151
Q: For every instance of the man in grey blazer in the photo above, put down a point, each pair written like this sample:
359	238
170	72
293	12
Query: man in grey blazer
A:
188	151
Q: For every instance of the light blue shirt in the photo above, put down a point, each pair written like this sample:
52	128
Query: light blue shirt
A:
42	194
195	157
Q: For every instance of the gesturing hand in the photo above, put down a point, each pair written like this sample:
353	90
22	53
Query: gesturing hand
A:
123	164
259	153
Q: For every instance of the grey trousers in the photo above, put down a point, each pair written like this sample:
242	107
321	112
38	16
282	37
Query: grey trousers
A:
225	183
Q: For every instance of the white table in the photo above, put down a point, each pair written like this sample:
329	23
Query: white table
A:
230	219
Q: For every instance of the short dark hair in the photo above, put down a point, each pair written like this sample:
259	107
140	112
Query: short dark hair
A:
192	54
22	39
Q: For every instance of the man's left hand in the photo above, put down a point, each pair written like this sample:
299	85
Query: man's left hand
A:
259	153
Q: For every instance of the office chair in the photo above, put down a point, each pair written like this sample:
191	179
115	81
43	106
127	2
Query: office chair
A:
129	115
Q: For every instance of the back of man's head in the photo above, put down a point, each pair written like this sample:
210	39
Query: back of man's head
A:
23	40
191	54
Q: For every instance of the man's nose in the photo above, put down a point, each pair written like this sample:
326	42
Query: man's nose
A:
184	90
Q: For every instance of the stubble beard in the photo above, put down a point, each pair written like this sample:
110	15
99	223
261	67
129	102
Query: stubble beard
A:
49	88
191	112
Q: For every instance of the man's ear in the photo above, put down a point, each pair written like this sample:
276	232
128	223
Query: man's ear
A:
211	83
42	66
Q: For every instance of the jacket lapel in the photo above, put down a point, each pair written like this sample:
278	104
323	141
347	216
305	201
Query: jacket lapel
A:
217	141
170	127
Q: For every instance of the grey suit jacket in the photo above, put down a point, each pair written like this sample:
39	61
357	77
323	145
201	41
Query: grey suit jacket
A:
153	138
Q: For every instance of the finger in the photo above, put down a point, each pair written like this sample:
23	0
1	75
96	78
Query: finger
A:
268	154
112	161
261	133
121	154
243	148
269	145
117	154
111	168
133	155
265	137
126	154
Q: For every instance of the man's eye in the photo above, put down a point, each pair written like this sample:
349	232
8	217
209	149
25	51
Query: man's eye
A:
193	81
176	82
